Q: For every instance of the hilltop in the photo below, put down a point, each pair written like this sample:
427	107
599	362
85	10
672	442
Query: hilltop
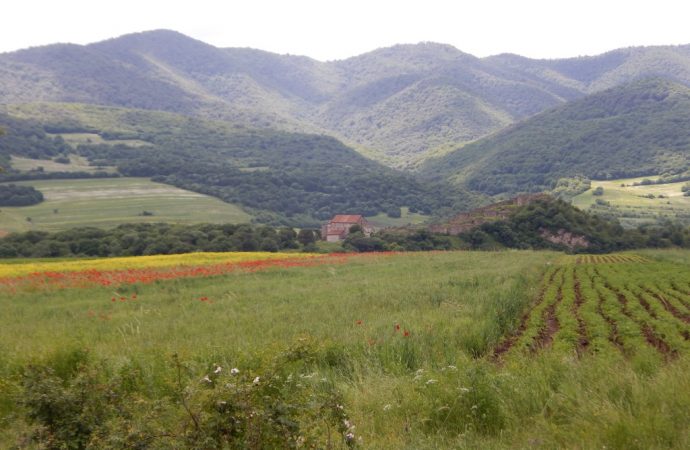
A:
637	129
276	176
398	104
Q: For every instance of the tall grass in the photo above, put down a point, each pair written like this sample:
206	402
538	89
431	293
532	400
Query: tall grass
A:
403	340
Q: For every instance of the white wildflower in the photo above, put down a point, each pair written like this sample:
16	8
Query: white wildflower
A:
206	379
350	436
256	380
218	370
234	371
387	407
452	368
431	381
464	389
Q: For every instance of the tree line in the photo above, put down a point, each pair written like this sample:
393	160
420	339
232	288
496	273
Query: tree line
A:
155	239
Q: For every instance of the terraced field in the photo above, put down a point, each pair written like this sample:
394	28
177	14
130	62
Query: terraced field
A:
607	304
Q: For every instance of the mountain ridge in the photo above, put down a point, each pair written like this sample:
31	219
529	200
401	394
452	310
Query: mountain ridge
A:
637	129
395	104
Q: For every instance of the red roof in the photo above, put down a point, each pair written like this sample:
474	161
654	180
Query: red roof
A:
346	218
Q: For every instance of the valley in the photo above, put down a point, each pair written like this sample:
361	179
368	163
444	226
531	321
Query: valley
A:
506	260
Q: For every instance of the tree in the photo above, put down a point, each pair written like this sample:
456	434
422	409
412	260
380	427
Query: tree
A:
306	236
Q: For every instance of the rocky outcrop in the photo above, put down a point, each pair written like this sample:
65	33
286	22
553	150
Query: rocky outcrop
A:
565	238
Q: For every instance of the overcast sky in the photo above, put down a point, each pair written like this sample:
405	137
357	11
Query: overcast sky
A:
336	29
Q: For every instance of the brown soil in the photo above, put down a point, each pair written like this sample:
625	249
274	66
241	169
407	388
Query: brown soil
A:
583	341
544	338
510	341
658	343
614	337
651	338
668	306
676	296
645	305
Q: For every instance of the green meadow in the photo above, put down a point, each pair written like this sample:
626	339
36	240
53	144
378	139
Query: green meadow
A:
108	202
637	205
515	349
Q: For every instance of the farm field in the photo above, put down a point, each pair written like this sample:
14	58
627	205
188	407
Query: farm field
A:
76	164
515	349
109	202
381	220
632	205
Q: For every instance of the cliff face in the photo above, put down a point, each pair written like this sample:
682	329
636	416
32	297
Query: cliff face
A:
565	238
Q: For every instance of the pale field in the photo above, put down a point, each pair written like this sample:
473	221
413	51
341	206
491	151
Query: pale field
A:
109	202
630	200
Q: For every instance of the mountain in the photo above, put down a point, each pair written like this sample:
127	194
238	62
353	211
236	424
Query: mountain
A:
637	129
282	177
398	105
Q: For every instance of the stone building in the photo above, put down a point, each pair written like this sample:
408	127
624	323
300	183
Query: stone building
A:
339	226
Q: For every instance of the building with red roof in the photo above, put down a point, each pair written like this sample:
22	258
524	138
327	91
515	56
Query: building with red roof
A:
339	226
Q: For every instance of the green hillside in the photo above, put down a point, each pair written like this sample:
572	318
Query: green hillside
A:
396	104
113	201
638	129
283	178
634	202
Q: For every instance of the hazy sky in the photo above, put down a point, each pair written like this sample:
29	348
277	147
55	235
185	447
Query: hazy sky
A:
336	29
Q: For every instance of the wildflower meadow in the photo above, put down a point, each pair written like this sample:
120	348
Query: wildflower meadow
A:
516	349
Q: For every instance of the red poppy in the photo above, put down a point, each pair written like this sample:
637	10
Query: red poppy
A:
406	333
359	322
397	327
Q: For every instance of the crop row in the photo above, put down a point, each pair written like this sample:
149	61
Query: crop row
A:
597	307
609	259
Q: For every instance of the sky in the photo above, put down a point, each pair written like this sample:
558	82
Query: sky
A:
337	29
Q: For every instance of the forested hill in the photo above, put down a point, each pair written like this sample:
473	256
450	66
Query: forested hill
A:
399	104
638	129
284	178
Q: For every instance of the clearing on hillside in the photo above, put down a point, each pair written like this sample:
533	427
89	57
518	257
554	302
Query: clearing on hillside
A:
110	202
635	205
77	164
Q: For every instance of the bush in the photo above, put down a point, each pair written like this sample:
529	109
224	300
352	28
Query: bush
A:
13	195
72	403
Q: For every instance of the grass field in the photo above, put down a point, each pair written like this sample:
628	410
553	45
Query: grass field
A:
632	205
75	139
113	201
406	218
77	164
475	350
